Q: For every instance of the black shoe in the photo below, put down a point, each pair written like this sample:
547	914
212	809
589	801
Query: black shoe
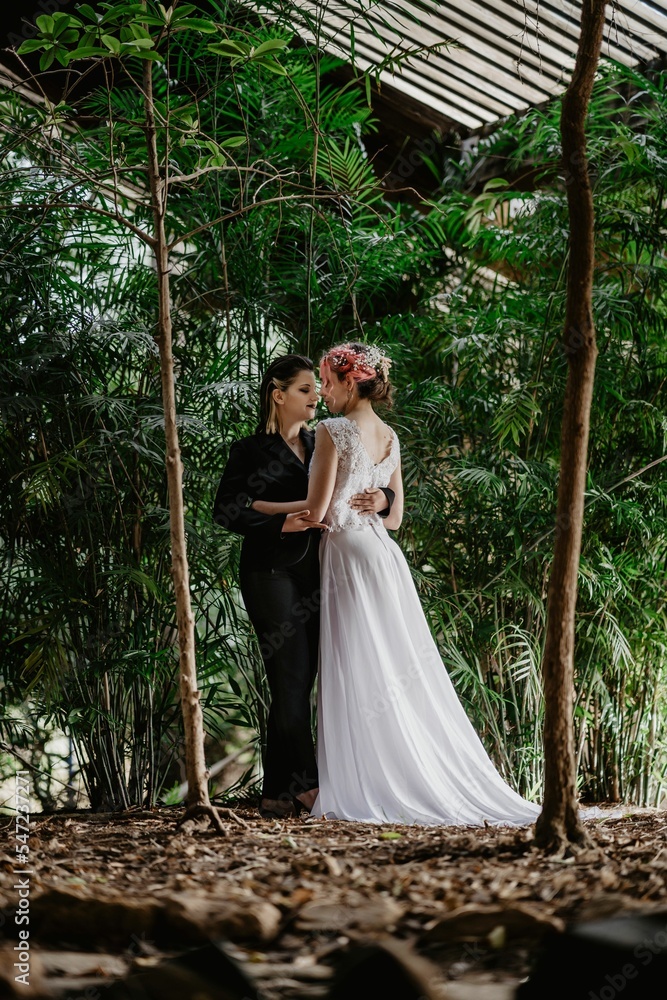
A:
278	810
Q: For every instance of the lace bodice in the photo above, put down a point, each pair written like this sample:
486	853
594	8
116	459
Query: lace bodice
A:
356	471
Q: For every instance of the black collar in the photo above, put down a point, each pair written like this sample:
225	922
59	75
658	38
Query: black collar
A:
280	448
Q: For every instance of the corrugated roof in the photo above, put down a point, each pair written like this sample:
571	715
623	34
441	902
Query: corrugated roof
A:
498	57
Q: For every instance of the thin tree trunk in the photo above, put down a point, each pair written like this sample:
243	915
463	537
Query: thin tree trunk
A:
195	763
559	824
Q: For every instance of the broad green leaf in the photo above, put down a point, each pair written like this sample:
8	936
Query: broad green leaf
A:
233	141
119	13
182	11
45	24
47	58
87	52
137	31
87	11
632	153
272	45
150	19
149	54
139	43
496	183
61	24
31	45
111	43
229	48
272	65
73	21
198	24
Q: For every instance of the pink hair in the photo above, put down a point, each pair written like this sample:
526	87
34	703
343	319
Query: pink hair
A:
346	360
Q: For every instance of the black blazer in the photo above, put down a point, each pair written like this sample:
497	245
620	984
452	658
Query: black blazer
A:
263	467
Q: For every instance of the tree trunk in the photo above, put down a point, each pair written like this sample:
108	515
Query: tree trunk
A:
559	824
195	763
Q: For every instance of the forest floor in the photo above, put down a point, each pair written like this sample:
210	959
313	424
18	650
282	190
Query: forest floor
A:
115	895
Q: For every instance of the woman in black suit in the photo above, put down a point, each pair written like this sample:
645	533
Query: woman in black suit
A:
279	571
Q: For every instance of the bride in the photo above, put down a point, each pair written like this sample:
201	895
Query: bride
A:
394	744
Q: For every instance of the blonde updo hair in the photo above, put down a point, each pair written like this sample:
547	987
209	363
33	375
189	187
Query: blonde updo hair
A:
367	364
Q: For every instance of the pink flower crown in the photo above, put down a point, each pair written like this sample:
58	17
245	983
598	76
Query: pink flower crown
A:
362	365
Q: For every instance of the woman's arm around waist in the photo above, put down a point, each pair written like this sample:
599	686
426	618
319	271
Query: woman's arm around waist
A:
231	508
321	482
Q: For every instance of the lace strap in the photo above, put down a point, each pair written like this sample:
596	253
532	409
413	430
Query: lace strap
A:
340	431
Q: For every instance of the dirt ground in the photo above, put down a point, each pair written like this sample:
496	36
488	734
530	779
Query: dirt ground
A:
114	894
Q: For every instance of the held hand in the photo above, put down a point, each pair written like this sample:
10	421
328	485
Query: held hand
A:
371	501
300	522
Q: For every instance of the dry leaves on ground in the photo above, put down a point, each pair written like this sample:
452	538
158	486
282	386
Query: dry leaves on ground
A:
114	894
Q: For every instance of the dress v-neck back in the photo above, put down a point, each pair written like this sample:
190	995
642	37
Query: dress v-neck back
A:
361	442
355	471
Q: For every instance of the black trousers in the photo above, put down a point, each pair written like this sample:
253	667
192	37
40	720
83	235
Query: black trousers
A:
283	606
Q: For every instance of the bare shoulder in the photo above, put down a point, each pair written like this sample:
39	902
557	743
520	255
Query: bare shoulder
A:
390	440
386	430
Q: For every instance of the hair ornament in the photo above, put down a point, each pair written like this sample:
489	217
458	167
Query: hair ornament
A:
362	365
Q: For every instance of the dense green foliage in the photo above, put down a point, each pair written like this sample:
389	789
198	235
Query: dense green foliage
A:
468	297
499	348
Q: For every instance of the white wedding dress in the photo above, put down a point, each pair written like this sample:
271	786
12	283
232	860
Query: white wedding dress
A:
394	744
